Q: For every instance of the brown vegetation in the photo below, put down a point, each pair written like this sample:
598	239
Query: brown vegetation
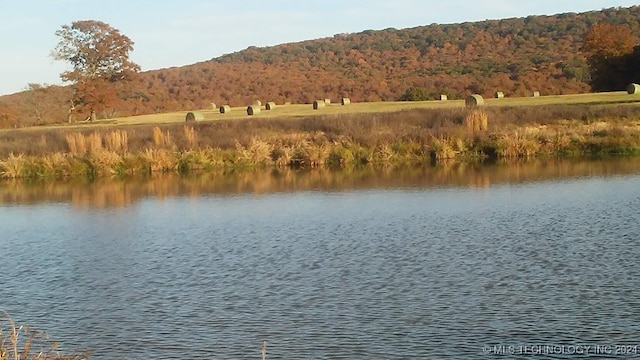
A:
476	120
413	136
19	342
516	56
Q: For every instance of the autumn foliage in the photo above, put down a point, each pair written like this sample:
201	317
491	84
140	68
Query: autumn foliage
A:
99	55
515	56
607	47
605	40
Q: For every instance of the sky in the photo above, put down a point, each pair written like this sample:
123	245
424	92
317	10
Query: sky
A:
168	33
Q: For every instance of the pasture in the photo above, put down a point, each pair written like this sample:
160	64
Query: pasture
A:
334	135
306	110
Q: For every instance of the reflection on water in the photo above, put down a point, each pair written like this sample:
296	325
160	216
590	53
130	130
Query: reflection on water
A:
426	263
105	193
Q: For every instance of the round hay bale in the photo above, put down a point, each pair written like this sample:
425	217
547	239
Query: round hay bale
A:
536	94
225	109
287	103
257	103
253	110
444	97
499	95
346	101
270	105
327	101
474	100
194	116
633	89
214	106
318	104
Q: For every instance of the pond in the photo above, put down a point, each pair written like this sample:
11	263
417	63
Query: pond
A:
372	263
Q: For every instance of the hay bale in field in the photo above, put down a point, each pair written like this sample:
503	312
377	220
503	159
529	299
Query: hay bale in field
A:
318	104
474	100
270	105
536	94
225	109
214	106
499	95
633	89
327	101
346	101
257	103
253	110
444	97
287	103
194	116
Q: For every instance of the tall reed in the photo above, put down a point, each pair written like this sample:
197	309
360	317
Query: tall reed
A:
19	342
117	141
76	143
162	138
476	120
80	144
191	135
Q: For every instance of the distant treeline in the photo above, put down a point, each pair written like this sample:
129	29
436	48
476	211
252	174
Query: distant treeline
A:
515	56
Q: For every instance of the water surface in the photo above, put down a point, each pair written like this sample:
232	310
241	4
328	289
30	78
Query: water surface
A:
371	264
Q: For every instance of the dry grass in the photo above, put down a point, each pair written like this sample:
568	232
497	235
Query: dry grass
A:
106	163
476	120
191	136
76	143
13	166
94	142
117	141
159	160
80	144
418	135
161	138
257	153
22	343
517	145
442	149
301	110
56	165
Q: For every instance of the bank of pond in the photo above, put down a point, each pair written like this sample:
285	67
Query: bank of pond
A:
417	136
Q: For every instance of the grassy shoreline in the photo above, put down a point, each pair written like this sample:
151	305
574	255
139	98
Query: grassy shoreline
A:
413	136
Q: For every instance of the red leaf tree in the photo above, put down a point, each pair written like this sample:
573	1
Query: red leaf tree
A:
99	56
606	46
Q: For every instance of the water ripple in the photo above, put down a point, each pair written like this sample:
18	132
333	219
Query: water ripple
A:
387	274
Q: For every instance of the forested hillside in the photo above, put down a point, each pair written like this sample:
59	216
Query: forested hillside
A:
516	56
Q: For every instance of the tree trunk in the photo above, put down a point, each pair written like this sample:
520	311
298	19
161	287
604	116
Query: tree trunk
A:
70	114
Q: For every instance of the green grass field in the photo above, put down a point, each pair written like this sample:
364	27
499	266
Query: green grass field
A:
304	110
